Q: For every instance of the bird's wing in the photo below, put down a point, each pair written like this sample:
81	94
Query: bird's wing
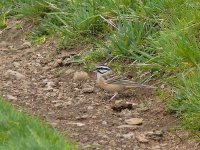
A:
110	76
127	83
117	80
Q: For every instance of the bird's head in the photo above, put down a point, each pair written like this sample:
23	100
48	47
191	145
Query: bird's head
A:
102	70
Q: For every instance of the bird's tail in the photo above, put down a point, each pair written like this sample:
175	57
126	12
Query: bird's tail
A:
142	86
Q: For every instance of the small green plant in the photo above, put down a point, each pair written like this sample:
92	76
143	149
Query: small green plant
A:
3	23
18	26
40	35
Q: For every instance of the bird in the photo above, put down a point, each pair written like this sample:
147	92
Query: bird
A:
113	83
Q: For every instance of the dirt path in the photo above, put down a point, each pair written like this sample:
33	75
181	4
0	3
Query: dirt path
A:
34	79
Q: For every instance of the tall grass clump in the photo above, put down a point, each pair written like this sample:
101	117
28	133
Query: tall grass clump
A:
165	34
178	52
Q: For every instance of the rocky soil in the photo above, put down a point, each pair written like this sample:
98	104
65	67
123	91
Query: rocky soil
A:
39	81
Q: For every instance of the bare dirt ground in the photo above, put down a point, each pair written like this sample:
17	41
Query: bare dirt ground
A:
37	80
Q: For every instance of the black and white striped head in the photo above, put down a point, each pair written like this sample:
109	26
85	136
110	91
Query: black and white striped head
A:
102	69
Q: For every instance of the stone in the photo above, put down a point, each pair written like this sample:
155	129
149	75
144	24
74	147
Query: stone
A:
16	64
88	89
76	123
50	85
15	74
94	117
155	135
135	105
141	138
82	117
133	127
134	121
58	105
104	123
80	124
128	135
10	97
162	86
90	108
118	102
80	76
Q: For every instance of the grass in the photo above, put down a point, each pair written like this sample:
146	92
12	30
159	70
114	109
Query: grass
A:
19	131
159	35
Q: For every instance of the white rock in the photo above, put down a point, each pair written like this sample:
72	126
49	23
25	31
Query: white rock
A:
82	117
94	117
118	101
104	123
50	85
16	64
90	108
128	135
77	124
88	89
141	138
134	121
80	76
127	126
10	97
